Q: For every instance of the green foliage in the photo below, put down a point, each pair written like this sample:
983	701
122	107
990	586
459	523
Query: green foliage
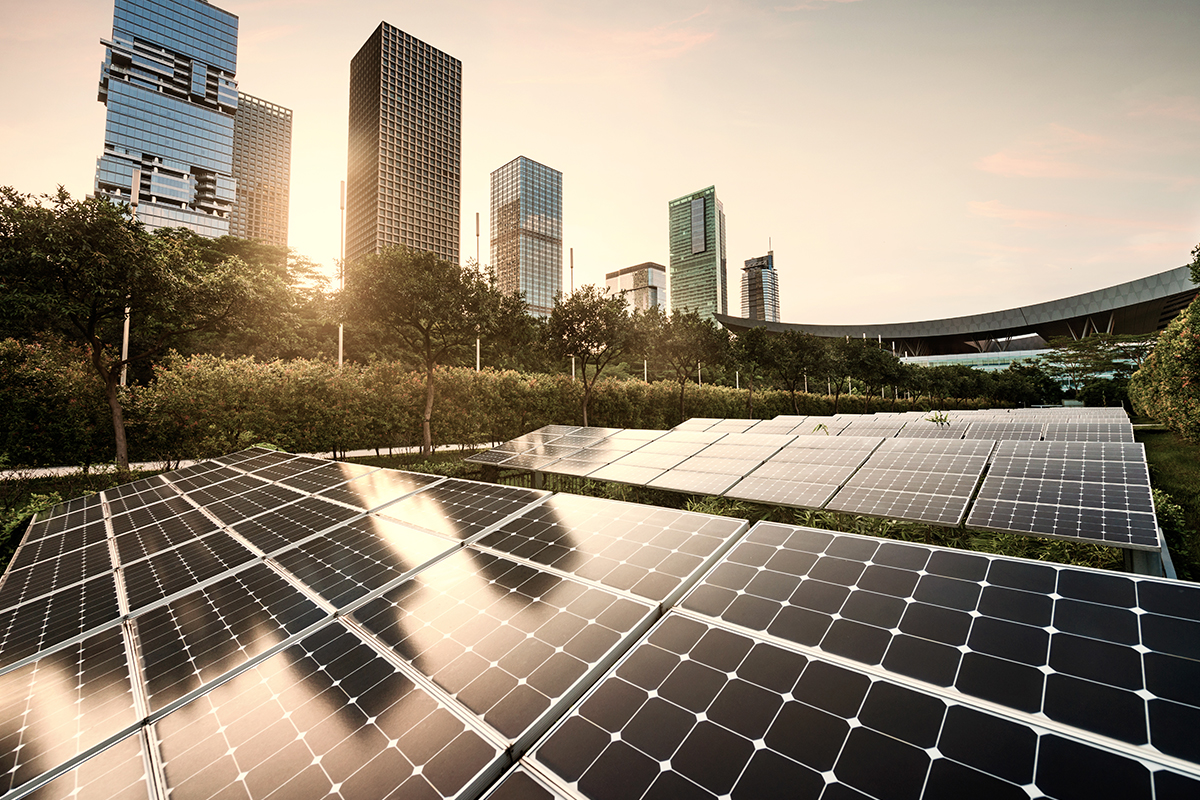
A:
1167	387
435	309
678	343
595	328
52	409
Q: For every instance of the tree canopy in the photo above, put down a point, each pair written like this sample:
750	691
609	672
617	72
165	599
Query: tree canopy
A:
76	267
594	327
434	308
680	341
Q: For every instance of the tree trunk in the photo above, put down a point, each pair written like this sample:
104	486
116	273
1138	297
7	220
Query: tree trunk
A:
426	431
118	418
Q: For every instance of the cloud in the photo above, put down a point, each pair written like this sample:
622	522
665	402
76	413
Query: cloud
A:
669	40
813	5
1063	152
1036	218
1182	107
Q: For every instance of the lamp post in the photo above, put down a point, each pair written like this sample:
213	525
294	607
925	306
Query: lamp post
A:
342	262
135	188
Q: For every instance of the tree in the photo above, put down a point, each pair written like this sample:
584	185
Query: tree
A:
1025	384
681	340
798	356
594	327
434	307
76	268
754	355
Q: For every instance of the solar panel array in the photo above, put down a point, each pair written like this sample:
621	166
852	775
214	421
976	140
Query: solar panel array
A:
320	629
903	466
264	623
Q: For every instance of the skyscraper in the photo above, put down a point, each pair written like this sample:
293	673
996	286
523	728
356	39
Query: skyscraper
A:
168	81
262	167
697	237
760	288
526	221
402	179
644	285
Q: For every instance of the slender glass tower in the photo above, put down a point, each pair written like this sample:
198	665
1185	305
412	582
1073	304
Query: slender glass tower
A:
760	288
697	237
405	144
262	167
168	81
526	222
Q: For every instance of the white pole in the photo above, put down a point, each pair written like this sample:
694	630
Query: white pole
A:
342	262
476	240
477	354
135	188
572	367
572	269
699	379
737	379
806	383
645	371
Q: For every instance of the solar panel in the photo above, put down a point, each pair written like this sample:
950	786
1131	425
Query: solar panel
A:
782	492
1114	528
293	522
44	622
462	509
512	643
62	704
697	710
322	477
1085	648
378	488
936	509
361	557
1127	472
691	482
1086	451
1083	494
115	773
650	552
1088	432
326	715
200	636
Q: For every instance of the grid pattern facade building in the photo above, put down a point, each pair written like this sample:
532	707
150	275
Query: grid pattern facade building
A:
405	144
168	82
644	285
760	289
262	166
697	237
526	235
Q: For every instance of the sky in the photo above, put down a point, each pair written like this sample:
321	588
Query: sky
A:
904	159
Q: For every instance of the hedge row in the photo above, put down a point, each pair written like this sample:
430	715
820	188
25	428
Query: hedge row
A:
203	406
1167	387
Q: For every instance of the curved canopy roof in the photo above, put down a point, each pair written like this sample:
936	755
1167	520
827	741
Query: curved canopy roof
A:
1140	306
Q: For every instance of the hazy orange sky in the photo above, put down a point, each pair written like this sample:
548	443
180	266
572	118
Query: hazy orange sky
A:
907	159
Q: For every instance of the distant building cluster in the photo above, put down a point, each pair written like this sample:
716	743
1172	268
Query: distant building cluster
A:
185	148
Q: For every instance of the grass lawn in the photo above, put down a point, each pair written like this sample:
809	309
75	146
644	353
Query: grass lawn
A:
1175	469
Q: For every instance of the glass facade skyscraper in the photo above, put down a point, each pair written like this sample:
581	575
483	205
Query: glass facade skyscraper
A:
526	222
697	238
760	288
405	143
168	82
262	167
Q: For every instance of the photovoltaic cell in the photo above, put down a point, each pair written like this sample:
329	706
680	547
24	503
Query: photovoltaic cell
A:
46	577
252	503
508	641
208	493
1125	472
1005	431
647	551
35	550
1082	494
326	476
780	491
937	509
702	483
1115	528
164	532
326	717
1085	451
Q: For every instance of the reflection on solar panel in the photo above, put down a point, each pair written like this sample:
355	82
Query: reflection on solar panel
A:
510	642
320	648
650	552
